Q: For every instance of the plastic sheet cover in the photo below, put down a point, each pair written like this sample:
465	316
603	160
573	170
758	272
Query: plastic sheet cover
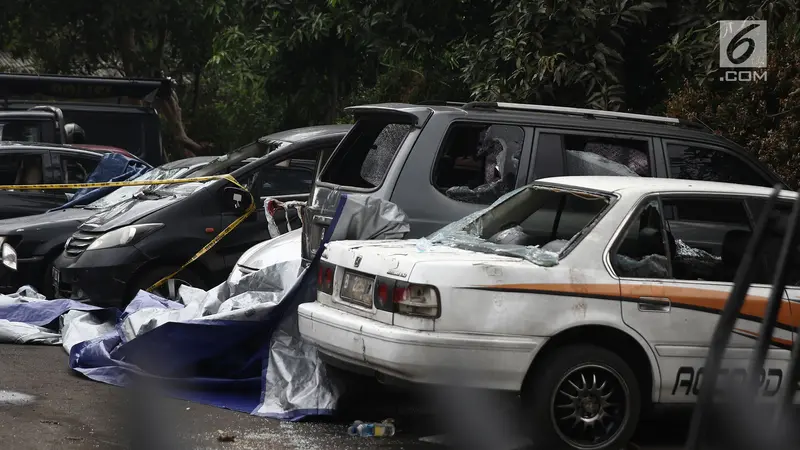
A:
235	346
112	167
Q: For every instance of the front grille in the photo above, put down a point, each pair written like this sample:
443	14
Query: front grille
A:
79	241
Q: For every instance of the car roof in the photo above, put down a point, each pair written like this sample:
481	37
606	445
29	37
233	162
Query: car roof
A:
308	133
16	145
40	114
646	185
187	162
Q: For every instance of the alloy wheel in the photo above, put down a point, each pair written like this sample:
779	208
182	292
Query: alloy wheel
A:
590	405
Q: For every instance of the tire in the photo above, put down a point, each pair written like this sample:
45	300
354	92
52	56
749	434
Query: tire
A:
550	411
154	274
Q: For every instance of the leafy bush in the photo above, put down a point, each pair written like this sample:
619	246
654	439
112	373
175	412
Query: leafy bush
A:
762	116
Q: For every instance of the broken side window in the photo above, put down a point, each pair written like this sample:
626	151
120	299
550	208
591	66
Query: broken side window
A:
642	253
710	236
366	154
478	163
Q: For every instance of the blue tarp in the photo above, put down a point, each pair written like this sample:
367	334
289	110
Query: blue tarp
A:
112	167
235	346
217	362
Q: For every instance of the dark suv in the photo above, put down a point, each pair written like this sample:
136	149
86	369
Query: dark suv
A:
441	162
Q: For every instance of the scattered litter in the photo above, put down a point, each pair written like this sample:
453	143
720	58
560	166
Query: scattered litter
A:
382	429
15	398
188	408
223	436
50	422
440	439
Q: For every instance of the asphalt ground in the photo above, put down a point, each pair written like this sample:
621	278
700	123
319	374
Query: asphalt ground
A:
45	405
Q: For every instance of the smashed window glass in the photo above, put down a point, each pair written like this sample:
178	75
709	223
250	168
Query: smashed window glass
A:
478	163
535	223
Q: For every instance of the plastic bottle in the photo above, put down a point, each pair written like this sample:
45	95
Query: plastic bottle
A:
373	429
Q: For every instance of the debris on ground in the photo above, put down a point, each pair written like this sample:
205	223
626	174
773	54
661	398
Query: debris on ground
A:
382	429
223	436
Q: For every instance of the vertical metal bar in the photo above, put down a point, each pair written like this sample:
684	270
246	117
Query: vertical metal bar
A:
774	301
727	320
786	400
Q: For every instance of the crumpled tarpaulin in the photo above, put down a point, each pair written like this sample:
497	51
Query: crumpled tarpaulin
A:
112	167
235	346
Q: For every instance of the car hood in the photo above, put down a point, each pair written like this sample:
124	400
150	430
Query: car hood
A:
285	247
49	220
126	213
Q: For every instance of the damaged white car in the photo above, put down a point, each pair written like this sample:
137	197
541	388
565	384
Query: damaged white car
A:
591	296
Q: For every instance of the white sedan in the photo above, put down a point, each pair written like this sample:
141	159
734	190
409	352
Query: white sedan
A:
589	295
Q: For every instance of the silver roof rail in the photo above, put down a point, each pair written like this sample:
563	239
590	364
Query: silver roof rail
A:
591	113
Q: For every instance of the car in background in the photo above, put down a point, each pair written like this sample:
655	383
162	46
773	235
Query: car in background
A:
136	243
40	163
37	240
440	162
593	297
101	106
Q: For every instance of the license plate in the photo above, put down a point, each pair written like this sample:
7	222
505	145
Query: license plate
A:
357	289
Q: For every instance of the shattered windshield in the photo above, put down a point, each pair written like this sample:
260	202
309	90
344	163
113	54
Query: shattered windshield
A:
127	192
226	162
535	223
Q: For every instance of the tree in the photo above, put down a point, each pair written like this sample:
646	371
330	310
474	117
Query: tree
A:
148	38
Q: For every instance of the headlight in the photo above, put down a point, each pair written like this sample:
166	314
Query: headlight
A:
9	256
124	236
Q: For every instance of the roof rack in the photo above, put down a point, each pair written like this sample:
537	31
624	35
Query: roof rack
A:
442	103
589	113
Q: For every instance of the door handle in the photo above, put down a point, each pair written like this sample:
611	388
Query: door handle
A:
654	304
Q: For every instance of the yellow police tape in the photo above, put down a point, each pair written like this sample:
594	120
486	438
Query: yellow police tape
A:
201	252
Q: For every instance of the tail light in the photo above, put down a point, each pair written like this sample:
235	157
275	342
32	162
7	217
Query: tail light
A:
409	299
325	278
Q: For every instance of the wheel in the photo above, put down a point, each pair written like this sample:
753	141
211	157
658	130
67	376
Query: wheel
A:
582	397
169	289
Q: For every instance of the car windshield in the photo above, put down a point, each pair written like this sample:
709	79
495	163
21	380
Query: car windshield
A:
127	192
536	223
224	164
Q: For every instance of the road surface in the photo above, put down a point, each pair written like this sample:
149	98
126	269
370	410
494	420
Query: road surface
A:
44	405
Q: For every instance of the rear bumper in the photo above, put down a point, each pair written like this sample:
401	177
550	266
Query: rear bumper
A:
479	361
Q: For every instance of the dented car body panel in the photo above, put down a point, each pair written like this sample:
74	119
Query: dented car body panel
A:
493	313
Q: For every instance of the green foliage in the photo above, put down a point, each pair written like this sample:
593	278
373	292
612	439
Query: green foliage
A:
250	67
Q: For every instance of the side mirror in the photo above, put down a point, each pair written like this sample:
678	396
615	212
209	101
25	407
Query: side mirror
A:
236	199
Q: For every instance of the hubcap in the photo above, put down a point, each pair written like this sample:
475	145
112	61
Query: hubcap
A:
590	406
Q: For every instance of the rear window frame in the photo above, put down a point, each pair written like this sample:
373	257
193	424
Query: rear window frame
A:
389	119
611	197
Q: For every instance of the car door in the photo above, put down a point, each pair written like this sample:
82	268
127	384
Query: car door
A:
27	166
286	180
676	284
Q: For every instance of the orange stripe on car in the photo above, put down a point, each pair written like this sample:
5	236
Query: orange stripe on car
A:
708	299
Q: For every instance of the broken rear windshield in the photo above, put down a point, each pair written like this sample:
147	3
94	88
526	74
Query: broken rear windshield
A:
536	223
366	154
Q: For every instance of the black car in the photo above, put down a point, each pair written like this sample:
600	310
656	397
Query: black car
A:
135	243
36	163
38	240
